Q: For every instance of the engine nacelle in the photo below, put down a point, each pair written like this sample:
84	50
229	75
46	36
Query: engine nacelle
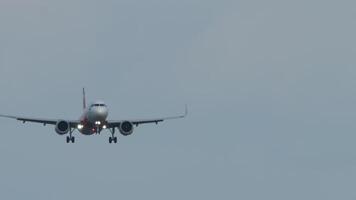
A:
62	127
126	128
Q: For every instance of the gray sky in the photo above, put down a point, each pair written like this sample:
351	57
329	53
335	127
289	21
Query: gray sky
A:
270	86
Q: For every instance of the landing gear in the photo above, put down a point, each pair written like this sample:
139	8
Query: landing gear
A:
98	130
112	139
70	138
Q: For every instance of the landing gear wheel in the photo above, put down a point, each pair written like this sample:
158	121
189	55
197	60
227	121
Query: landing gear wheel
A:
112	140
70	139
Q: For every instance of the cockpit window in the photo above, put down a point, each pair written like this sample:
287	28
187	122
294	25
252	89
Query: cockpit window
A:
98	105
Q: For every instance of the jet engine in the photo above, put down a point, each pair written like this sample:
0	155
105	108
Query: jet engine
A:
62	127
126	128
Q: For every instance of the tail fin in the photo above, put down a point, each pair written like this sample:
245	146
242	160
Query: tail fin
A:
84	99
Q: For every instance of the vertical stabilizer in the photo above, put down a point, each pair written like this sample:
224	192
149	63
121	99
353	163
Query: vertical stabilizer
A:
84	99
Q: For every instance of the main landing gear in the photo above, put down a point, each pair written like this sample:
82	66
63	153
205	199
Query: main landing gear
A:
112	139
70	138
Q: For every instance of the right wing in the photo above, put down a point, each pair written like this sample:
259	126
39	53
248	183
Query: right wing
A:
73	123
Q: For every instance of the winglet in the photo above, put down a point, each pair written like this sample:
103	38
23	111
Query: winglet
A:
84	99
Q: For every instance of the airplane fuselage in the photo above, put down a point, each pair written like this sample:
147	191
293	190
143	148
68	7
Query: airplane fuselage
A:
93	119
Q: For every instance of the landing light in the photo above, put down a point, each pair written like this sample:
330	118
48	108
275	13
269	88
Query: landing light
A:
97	122
80	126
104	127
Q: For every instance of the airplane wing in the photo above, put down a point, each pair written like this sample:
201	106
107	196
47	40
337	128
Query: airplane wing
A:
73	123
136	122
110	124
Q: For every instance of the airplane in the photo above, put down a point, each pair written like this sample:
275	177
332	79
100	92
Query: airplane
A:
93	121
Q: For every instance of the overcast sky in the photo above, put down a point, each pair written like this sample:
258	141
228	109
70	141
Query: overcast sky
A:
270	87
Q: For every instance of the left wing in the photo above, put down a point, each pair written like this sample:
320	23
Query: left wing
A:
136	122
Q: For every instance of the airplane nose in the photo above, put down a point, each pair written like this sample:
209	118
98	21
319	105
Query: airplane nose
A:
98	114
102	114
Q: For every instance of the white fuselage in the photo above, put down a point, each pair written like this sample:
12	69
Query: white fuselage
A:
93	119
